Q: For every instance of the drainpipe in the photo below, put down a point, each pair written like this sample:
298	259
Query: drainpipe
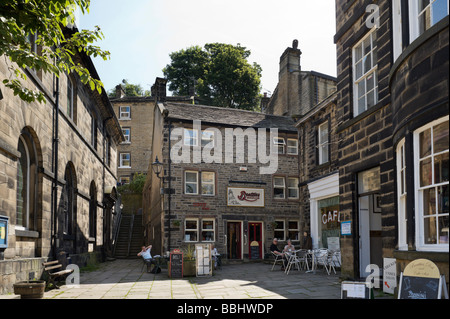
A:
170	182
54	235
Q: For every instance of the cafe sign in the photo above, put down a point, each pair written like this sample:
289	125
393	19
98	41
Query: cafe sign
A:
245	197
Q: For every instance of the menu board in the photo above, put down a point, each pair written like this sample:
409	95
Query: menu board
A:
355	290
176	264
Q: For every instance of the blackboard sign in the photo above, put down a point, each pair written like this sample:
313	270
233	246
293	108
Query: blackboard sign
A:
176	264
419	288
421	279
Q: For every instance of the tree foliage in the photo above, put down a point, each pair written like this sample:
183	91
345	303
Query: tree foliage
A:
130	90
221	74
136	185
51	21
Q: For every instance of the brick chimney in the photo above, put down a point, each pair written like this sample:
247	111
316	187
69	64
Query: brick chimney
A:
159	89
264	102
120	93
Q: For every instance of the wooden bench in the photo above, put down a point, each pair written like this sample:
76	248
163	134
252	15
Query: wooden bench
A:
51	269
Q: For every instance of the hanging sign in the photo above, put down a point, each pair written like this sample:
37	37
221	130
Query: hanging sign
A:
247	197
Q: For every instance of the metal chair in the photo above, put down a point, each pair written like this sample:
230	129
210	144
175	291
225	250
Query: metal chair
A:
325	258
297	258
278	258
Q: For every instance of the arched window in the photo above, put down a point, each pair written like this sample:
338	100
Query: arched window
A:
26	183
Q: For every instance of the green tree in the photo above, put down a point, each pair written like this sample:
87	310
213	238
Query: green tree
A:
220	72
136	185
130	90
50	22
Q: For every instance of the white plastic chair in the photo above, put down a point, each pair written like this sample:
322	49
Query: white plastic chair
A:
325	258
298	259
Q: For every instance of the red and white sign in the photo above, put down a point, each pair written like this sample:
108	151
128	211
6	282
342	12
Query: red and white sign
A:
250	197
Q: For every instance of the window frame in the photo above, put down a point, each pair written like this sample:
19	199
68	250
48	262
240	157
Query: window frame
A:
278	230
196	230
279	186
292	147
401	195
197	182
414	31
373	71
276	142
213	230
70	97
26	208
323	145
293	187
213	183
121	160
121	113
295	230
193	138
208	141
418	192
127	136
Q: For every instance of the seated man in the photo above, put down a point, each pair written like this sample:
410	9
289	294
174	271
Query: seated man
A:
145	253
274	249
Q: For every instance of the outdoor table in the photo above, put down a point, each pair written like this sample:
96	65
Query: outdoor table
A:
313	261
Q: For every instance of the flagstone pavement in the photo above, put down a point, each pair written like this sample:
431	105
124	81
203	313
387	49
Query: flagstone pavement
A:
124	279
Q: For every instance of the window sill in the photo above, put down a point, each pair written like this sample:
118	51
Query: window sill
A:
125	119
124	167
27	233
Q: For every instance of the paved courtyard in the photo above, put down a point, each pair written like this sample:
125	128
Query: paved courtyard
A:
123	279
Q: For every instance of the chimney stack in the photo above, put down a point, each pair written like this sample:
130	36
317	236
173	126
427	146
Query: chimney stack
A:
159	89
264	102
120	93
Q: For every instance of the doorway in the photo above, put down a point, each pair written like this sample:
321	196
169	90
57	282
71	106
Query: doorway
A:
234	242
369	226
255	240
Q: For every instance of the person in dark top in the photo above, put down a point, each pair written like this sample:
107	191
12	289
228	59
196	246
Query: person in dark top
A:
276	251
307	241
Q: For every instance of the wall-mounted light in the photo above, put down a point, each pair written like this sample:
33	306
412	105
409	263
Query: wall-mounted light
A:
157	167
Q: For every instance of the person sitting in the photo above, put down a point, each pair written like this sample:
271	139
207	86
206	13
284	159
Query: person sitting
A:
145	253
274	249
289	247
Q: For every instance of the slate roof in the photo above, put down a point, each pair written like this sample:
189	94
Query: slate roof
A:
227	116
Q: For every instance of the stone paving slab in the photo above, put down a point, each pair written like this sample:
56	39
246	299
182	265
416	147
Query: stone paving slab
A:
123	279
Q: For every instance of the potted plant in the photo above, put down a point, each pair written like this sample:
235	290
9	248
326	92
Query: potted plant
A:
30	289
189	262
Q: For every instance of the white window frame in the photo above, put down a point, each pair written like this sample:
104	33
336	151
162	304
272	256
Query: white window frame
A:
121	160
191	229
190	139
124	180
186	182
323	144
213	183
397	33
207	141
127	135
420	236
401	196
279	142
280	229
295	187
213	230
275	185
414	31
292	149
365	75
124	115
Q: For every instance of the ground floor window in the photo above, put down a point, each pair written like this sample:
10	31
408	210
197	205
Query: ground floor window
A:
431	171
329	221
279	231
194	226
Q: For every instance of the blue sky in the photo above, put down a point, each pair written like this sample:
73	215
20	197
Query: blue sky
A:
140	34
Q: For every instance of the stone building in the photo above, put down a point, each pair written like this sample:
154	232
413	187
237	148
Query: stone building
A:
135	115
297	91
57	173
228	200
392	117
319	174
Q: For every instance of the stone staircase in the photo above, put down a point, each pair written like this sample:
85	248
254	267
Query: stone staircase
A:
130	238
